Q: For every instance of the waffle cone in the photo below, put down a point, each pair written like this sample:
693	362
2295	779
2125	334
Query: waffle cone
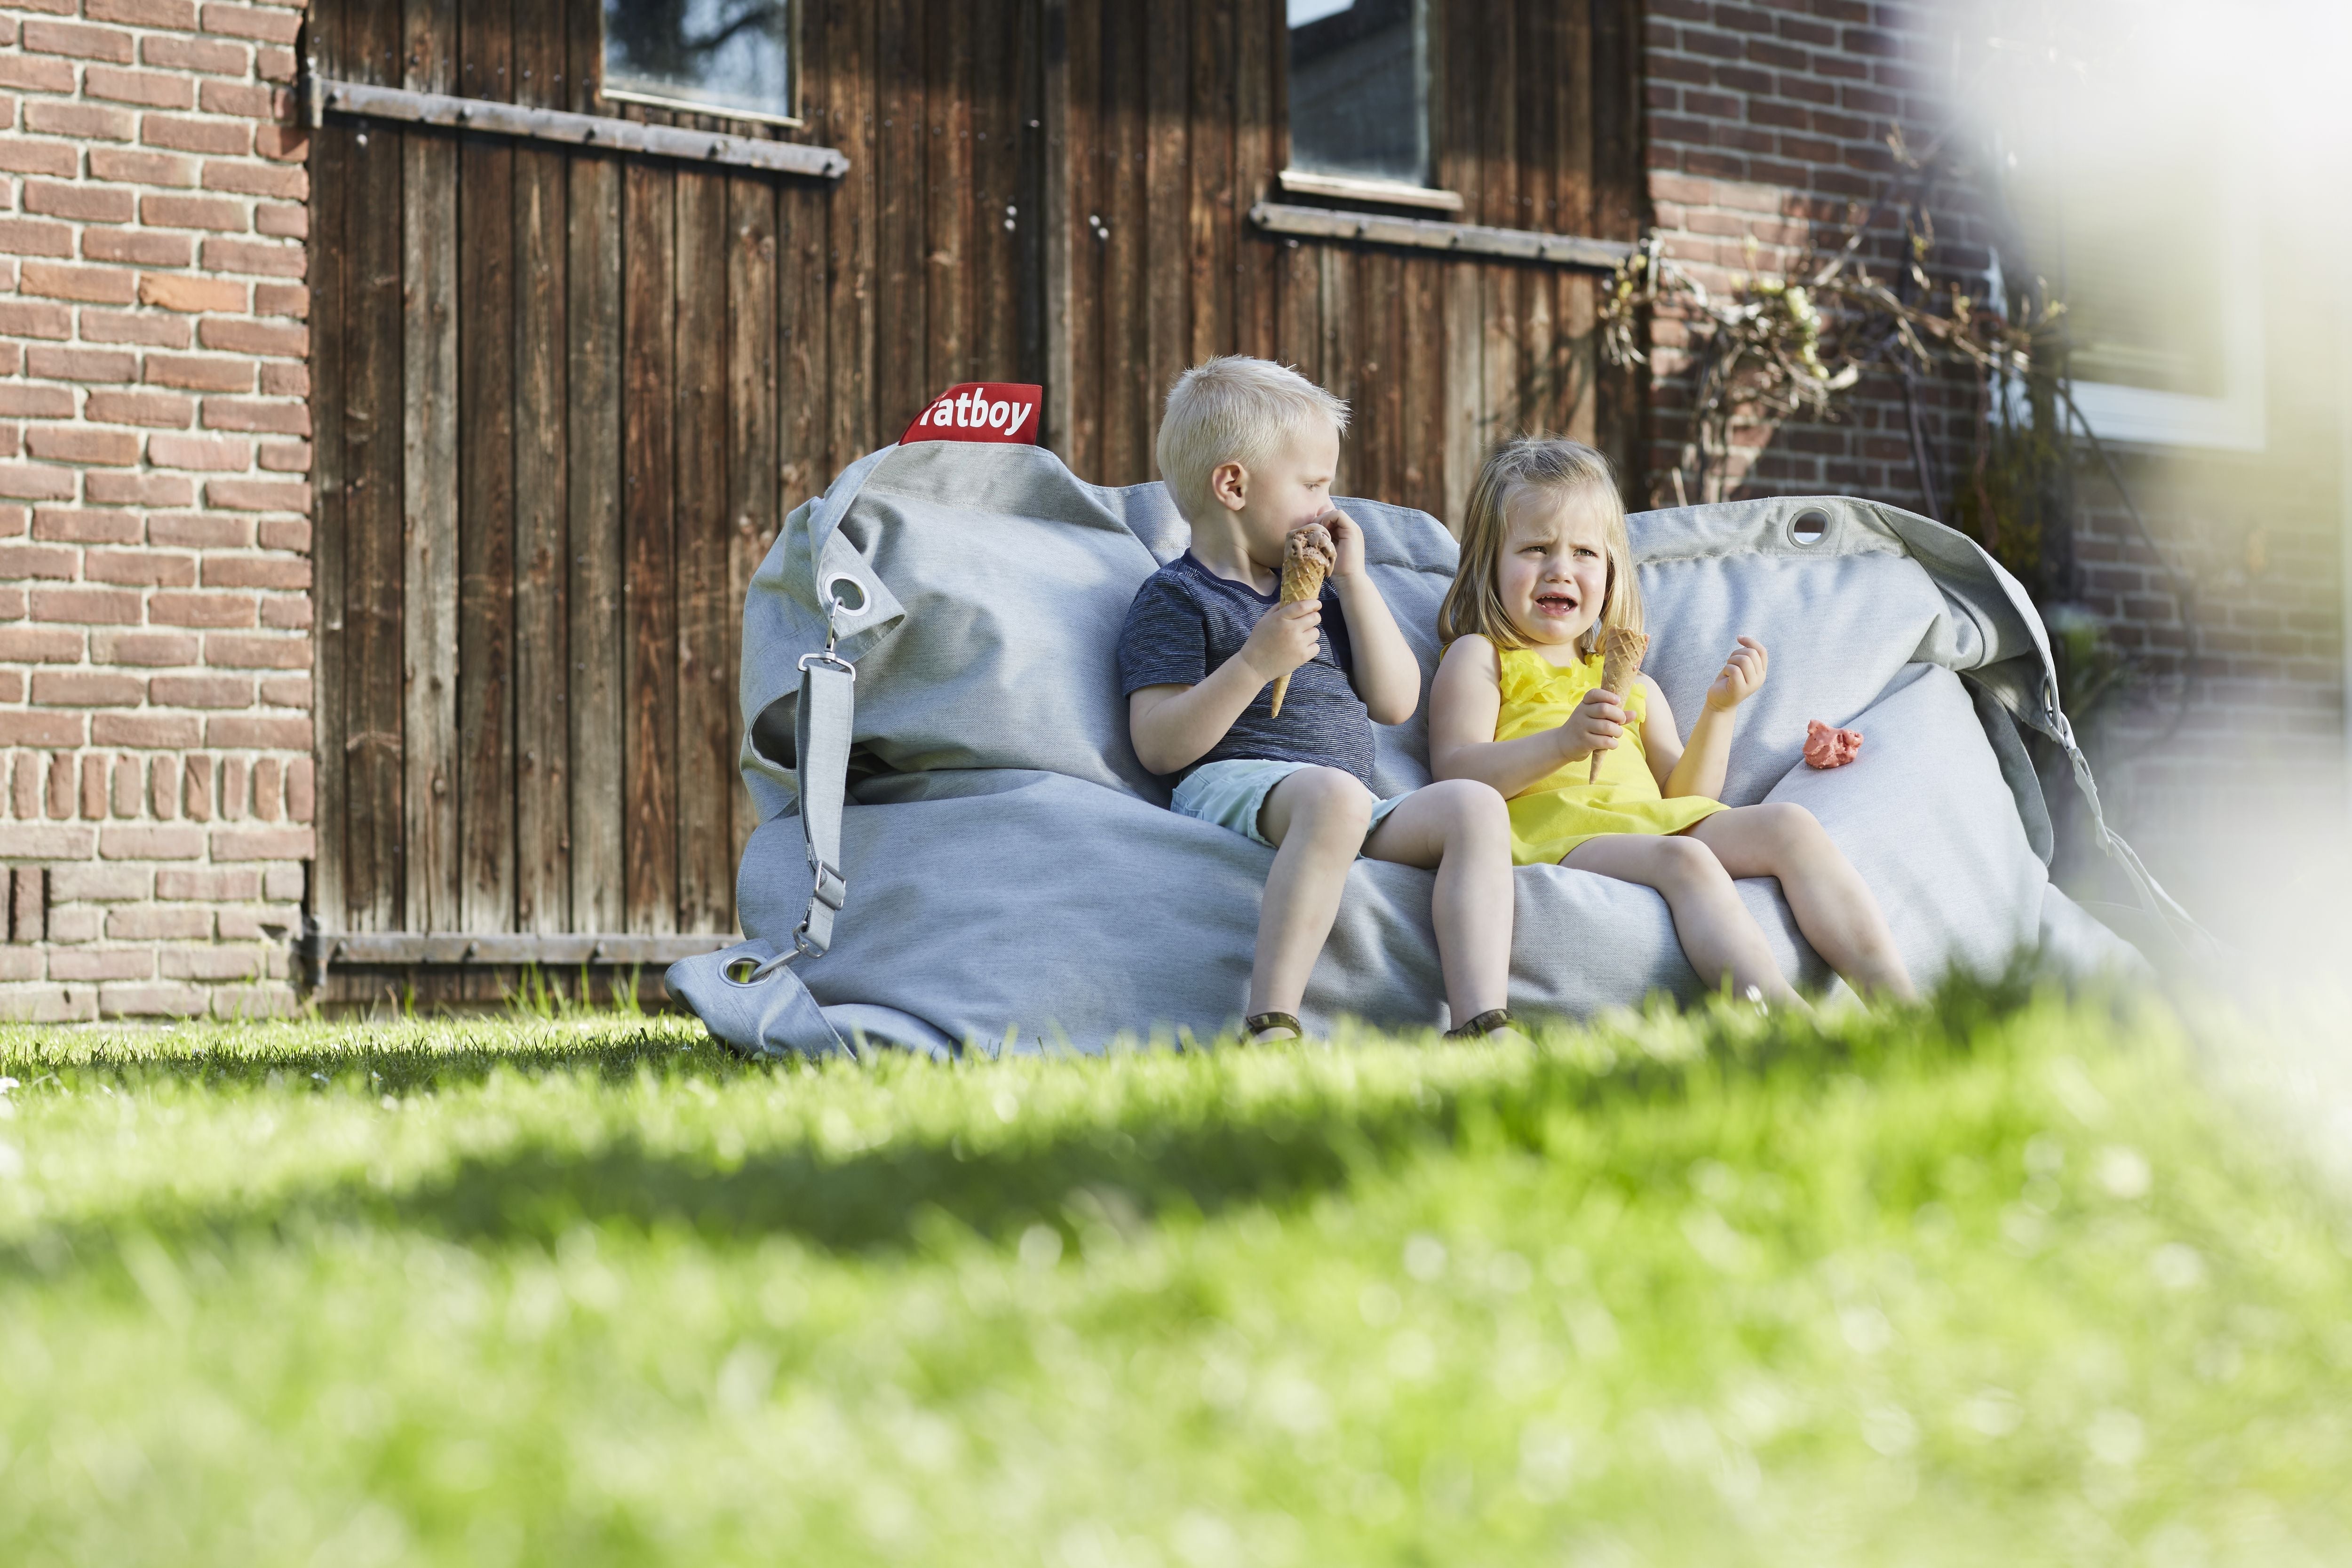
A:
1620	660
1307	561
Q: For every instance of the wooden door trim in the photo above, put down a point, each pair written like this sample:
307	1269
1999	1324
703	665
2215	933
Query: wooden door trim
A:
322	94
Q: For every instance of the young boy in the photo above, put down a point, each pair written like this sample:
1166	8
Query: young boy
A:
1249	449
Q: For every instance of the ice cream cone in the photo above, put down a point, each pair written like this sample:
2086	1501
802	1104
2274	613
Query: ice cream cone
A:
1307	559
1620	661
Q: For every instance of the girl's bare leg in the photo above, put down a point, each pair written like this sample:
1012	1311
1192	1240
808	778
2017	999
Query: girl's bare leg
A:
1463	828
1832	904
1718	935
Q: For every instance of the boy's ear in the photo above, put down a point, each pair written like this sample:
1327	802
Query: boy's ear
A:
1228	482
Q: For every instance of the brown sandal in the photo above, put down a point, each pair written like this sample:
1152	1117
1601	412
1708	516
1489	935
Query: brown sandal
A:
1257	1024
1484	1024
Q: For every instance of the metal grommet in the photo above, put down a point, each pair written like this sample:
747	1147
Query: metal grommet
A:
852	602
1810	526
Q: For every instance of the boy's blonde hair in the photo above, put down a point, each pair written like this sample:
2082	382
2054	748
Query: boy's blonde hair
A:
1234	410
1560	468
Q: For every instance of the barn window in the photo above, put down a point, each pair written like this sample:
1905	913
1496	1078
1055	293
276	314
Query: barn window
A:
1360	100
2142	221
732	58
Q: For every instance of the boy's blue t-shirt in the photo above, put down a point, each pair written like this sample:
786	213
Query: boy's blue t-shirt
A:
1186	621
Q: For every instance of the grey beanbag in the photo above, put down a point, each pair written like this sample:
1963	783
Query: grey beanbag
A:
1014	876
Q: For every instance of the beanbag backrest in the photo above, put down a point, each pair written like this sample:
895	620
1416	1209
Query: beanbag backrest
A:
992	585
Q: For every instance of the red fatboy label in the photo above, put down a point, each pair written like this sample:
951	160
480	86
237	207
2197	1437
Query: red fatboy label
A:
979	411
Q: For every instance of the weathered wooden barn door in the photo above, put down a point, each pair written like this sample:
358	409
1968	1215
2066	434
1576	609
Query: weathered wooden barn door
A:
550	394
1177	116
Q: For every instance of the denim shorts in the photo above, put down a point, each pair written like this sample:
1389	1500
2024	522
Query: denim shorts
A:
1231	794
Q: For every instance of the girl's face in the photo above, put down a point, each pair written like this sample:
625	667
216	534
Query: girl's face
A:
1554	572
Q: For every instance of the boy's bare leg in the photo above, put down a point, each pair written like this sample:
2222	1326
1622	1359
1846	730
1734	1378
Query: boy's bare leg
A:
1463	828
1718	935
1316	818
1832	904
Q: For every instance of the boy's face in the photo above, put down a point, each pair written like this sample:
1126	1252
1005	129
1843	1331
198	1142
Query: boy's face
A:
1291	489
1554	572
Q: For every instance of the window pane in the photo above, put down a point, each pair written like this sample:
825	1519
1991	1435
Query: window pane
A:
2135	247
729	53
1360	88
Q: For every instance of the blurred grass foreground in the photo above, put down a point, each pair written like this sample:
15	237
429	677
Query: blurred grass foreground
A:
2004	1279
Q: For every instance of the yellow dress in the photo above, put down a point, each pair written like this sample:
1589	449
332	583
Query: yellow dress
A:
1560	810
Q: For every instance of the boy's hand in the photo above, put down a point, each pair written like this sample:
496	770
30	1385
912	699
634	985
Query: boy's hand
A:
1742	675
1347	539
1595	726
1284	637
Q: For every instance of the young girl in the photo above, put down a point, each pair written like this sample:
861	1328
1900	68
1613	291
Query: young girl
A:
1545	568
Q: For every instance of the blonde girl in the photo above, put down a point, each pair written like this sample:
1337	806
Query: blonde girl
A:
1518	704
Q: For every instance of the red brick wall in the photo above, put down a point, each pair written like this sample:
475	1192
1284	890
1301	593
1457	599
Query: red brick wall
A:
155	531
1764	121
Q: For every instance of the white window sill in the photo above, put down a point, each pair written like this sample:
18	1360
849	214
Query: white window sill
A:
1347	187
688	106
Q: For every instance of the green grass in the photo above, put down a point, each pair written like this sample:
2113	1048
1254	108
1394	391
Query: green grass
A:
2001	1281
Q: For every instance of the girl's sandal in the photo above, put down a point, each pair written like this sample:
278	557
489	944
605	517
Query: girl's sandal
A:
1258	1027
1495	1020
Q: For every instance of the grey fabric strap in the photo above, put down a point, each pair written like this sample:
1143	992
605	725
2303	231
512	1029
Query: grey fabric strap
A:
748	995
821	770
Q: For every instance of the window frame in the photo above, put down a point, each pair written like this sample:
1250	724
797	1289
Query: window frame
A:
1369	188
792	121
2235	420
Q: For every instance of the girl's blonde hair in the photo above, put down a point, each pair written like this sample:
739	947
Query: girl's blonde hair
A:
1562	469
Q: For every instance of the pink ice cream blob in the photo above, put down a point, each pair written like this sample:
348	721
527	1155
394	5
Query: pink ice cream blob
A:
1828	748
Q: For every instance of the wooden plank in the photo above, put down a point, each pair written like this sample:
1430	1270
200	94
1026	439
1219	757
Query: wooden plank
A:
901	379
542	685
429	485
1334	291
1260	40
486	51
692	143
1455	37
569	950
949	201
592	517
485	489
1082	163
1211	165
1572	193
854	426
1619	209
804	391
374	769
648	548
1127	397
332	174
1538	393
541	37
1383	379
1001	215
1421	441
1056	259
754	514
704	528
1463	239
1498	204
1167	243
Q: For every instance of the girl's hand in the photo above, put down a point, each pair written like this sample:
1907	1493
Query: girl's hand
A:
1347	539
1595	726
1742	675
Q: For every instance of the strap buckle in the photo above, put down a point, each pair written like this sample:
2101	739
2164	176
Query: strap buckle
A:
832	888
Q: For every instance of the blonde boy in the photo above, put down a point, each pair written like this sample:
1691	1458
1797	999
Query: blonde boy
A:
1249	449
